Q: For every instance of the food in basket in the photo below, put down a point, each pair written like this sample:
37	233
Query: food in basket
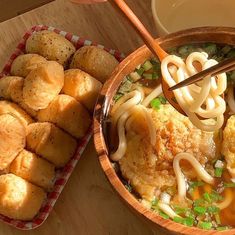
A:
34	169
12	136
82	86
25	63
50	45
68	114
15	110
43	84
95	61
50	142
19	199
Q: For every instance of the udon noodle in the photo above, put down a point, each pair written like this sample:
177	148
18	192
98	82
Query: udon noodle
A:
204	105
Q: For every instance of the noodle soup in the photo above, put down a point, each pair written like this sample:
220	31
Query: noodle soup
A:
179	169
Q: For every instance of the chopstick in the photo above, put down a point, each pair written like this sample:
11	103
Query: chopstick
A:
222	67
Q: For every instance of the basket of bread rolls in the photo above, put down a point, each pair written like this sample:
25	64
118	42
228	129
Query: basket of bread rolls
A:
48	91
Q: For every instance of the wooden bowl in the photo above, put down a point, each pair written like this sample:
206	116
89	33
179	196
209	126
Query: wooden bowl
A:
222	35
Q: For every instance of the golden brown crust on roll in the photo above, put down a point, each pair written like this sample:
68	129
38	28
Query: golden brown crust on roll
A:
12	136
12	108
19	199
50	45
95	61
24	64
82	86
68	114
51	143
34	169
43	84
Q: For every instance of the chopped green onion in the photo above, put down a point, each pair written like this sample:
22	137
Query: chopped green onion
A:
217	218
117	97
162	99
147	65
155	75
140	71
155	104
135	76
215	196
154	204
199	210
178	219
205	225
194	184
180	210
189	221
157	67
148	76
163	215
213	209
231	53
221	228
128	187
210	48
207	197
229	185
218	172
199	202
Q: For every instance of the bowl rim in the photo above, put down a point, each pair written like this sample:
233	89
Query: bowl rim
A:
156	17
102	108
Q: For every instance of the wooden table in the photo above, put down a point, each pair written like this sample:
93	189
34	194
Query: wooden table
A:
88	205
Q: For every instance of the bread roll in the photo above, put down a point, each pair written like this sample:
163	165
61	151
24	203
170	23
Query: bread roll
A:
68	114
23	64
12	108
83	87
50	45
11	88
34	169
12	136
50	142
6	84
18	198
95	61
43	84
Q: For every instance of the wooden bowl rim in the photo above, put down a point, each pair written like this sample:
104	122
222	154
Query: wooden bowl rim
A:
99	114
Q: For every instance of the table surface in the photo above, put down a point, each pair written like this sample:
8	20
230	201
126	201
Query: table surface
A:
88	204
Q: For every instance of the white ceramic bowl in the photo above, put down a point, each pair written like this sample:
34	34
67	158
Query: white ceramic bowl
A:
174	15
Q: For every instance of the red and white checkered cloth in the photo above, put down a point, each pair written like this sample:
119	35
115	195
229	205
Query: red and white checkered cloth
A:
62	175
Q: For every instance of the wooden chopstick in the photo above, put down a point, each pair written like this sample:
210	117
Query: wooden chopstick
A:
222	67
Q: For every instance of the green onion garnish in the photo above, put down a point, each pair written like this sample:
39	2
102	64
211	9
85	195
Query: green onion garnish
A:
154	204
140	71
163	215
148	76
199	210
205	225
194	184
229	185
155	104
221	228
213	209
186	221
217	218
147	65
218	172
155	75
207	197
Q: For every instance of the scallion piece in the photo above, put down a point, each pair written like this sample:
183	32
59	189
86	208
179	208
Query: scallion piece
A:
213	209
163	215
178	219
229	185
221	228
188	221
205	225
155	75
155	104
207	197
140	71
217	218
199	210
148	76
218	172
147	65
154	204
